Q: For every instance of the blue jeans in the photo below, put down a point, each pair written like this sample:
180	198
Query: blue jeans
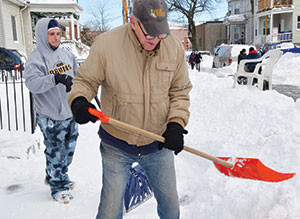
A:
159	167
60	140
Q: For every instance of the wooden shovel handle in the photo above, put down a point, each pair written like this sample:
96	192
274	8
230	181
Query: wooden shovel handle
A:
156	137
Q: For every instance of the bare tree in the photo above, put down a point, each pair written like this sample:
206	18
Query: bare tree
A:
99	17
98	22
189	9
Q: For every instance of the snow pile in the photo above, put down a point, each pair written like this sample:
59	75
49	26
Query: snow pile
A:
23	145
246	123
287	69
236	18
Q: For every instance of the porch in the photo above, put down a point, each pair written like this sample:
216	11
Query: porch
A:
70	26
275	27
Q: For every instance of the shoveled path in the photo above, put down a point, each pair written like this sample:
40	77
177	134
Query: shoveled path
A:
288	90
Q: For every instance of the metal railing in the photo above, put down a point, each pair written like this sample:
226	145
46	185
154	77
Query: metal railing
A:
282	37
16	103
285	37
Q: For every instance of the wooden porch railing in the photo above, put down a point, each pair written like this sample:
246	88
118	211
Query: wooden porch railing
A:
265	5
282	3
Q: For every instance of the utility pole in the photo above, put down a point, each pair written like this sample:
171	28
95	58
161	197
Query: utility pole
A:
126	10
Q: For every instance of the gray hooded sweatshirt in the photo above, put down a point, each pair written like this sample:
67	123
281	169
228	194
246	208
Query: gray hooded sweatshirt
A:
41	66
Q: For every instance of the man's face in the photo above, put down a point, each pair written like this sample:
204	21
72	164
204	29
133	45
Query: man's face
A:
148	44
143	37
54	38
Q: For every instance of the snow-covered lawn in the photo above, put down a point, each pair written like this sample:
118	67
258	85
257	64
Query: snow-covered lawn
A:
243	122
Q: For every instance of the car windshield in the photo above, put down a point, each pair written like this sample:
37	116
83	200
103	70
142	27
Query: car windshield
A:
17	54
223	51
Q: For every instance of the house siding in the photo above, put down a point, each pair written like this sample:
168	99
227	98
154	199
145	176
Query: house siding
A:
9	10
27	31
296	31
1	26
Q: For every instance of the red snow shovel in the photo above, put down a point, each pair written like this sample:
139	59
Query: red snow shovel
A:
248	168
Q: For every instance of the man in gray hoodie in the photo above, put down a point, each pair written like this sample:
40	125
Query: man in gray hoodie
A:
48	75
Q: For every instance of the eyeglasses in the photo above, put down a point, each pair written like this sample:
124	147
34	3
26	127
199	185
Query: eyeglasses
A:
149	37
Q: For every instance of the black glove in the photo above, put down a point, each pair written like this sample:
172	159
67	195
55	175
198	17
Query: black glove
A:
173	137
80	111
64	79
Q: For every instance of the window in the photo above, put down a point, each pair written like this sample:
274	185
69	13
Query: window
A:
298	22
255	27
5	57
14	28
237	8
236	33
268	31
229	9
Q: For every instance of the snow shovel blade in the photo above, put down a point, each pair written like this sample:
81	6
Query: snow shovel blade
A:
252	168
138	189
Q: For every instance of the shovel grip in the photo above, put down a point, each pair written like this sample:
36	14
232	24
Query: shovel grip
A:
162	139
127	127
102	117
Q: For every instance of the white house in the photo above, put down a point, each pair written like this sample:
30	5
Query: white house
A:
277	21
12	35
239	21
19	17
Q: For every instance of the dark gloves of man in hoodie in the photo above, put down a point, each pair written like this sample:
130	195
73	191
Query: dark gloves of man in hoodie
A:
64	79
79	108
173	137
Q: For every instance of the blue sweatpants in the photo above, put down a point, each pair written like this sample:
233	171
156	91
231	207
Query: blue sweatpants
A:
60	140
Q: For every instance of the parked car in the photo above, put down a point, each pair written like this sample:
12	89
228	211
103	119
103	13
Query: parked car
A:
11	59
205	53
226	54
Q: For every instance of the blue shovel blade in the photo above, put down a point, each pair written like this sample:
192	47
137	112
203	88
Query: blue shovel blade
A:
138	189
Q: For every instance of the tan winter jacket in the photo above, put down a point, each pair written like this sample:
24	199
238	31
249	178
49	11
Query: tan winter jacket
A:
138	87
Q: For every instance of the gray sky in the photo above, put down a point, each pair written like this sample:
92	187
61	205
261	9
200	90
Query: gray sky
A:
114	10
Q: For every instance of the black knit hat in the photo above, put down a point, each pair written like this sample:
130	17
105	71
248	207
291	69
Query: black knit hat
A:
53	24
